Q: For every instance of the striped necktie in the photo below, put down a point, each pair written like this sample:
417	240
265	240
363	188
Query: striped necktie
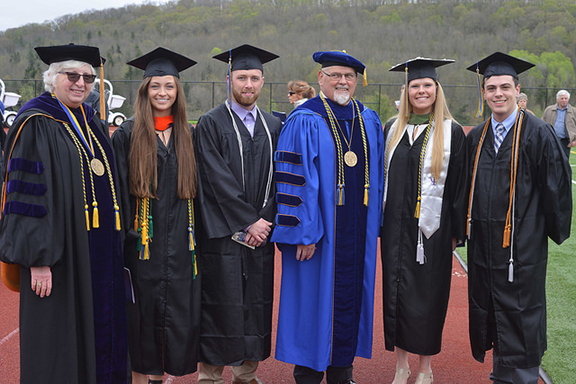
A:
499	136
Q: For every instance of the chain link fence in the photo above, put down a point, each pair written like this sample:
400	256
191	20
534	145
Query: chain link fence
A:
201	96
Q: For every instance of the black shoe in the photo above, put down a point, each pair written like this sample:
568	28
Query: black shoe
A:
347	381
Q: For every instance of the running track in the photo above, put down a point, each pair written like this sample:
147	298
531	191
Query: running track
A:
454	365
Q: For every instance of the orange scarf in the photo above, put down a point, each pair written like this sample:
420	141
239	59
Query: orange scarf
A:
163	123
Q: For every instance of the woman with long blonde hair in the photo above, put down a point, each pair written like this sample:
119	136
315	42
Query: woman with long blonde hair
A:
424	216
158	170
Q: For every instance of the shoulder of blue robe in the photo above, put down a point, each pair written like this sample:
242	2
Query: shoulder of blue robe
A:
554	176
31	230
299	220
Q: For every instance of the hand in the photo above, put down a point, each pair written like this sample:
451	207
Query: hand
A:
258	232
572	144
305	252
41	280
454	243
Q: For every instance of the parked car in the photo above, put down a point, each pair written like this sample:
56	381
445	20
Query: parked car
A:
9	99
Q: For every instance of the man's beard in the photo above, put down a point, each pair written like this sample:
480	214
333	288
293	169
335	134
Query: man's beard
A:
341	98
245	101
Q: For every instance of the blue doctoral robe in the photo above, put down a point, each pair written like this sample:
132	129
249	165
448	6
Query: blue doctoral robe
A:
327	302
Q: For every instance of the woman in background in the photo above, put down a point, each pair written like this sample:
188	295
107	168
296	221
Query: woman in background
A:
158	174
424	215
299	92
523	102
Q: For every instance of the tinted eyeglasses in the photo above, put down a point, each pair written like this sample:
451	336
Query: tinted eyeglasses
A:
74	77
291	93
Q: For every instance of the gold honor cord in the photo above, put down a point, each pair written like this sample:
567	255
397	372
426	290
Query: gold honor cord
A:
513	177
83	155
110	180
191	238
334	125
144	225
420	163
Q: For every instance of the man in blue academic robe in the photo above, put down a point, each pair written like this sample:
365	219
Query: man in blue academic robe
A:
329	193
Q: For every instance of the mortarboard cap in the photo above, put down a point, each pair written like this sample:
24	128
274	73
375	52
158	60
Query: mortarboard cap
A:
162	62
421	67
59	53
340	58
498	64
246	57
418	68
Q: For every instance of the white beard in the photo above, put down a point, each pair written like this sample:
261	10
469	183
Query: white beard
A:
341	98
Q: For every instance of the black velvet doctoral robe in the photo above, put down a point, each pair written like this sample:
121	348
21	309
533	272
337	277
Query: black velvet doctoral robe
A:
78	333
543	209
238	282
165	318
416	295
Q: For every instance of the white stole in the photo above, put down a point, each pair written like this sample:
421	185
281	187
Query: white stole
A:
432	191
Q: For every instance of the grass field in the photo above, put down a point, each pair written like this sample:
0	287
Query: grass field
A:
560	360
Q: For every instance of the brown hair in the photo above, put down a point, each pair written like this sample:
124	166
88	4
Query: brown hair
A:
143	146
302	88
441	113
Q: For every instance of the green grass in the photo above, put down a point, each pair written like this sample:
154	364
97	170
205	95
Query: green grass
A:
560	359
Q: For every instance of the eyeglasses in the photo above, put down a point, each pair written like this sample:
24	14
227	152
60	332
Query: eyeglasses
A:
335	76
291	93
74	77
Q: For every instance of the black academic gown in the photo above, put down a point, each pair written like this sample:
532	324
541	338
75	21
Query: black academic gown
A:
165	318
78	333
238	282
512	315
416	296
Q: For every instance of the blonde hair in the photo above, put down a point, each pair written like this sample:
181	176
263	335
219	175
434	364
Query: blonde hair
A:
441	113
303	88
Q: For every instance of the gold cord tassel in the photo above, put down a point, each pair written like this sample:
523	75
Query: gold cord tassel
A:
87	217
364	79
95	217
366	187
507	231
117	215
417	212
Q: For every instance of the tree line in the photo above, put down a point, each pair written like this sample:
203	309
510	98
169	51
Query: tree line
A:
379	33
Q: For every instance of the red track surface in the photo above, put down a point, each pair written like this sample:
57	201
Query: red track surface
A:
454	365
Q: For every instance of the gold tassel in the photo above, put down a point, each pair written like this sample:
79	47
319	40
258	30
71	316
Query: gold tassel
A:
117	214
406	101
102	93
95	217
507	231
190	241
366	186
87	217
417	213
339	195
146	252
365	79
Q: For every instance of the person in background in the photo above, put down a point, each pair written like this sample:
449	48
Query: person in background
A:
522	102
424	217
329	180
61	225
299	92
235	143
562	116
157	170
520	194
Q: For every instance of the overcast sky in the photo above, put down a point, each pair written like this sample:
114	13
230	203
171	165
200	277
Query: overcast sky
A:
16	13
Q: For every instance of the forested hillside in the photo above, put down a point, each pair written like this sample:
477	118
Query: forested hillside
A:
380	33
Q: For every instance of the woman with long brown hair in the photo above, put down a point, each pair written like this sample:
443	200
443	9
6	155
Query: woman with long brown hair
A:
424	216
158	174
